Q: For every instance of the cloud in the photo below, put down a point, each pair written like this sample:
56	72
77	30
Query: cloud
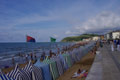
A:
55	35
68	32
34	18
73	17
102	22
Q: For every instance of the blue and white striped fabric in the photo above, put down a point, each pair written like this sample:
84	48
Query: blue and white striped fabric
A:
18	74
45	70
36	73
15	73
26	73
5	77
28	67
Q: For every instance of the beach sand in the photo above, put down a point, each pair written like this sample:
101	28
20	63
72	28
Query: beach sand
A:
84	64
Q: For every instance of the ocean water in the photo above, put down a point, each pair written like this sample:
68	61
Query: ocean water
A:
9	50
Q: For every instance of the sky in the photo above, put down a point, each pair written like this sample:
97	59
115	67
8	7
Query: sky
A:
43	19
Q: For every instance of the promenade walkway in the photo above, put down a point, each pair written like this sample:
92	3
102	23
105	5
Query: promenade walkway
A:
106	65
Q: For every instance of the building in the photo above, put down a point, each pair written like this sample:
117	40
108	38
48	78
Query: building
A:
112	35
108	36
116	35
95	38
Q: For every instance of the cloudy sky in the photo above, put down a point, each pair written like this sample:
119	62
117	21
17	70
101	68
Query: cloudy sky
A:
43	19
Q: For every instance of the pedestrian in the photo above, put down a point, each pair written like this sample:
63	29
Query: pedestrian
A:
26	57
112	46
58	50
31	55
118	45
50	53
43	55
115	44
35	57
101	44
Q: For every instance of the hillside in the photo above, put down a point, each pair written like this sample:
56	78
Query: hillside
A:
78	38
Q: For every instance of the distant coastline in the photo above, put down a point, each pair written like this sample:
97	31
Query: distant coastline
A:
78	38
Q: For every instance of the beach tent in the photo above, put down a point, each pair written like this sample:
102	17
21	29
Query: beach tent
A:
35	71
72	59
59	64
18	74
79	53
68	59
5	77
45	70
74	56
53	68
65	65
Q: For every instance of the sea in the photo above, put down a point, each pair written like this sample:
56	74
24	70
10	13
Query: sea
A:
10	50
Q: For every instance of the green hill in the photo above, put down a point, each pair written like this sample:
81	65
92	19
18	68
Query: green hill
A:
78	38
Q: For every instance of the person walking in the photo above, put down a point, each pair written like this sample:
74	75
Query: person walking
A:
26	57
112	46
115	44
118	45
31	55
35	56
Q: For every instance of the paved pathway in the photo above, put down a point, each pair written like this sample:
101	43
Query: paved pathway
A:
106	65
96	69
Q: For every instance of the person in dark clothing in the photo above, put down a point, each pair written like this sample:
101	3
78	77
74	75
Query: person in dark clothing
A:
35	57
118	45
43	55
115	44
101	44
31	55
26	57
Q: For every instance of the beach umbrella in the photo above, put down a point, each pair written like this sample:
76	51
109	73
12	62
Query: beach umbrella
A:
53	68
45	70
18	74
59	64
35	71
